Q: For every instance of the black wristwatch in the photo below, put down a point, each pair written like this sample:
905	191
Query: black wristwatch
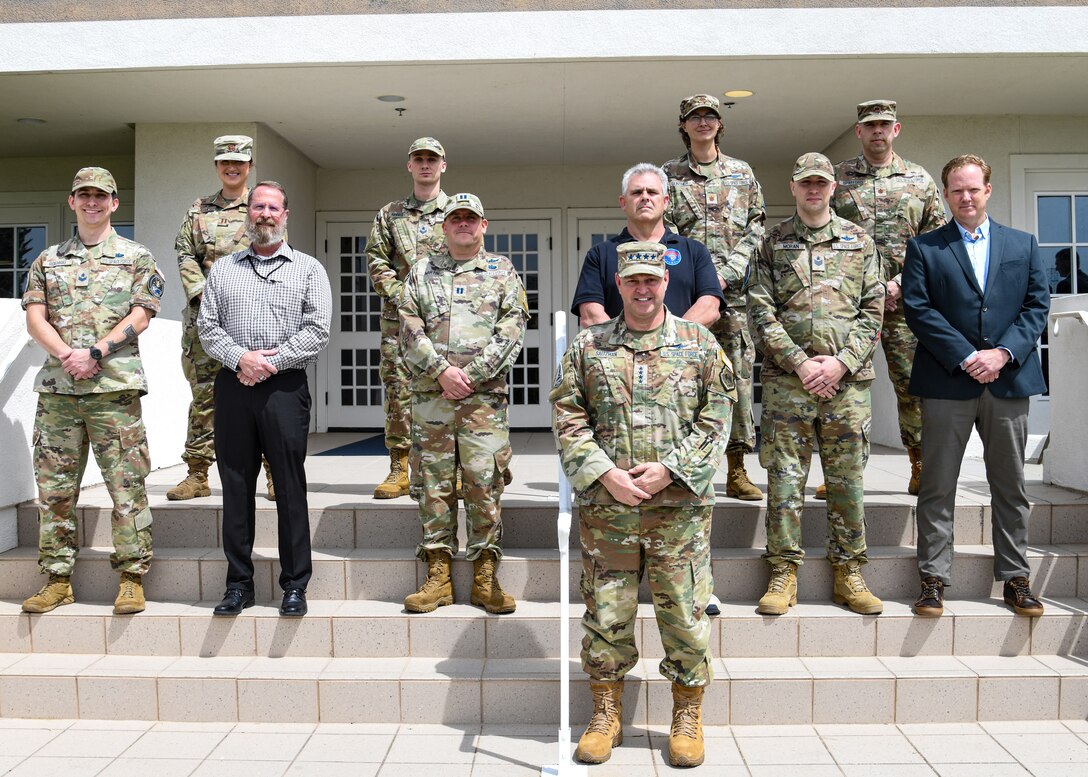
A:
96	354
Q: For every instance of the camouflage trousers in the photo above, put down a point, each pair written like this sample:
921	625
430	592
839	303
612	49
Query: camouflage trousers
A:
899	344
200	370
111	425
795	422
672	545
731	331
398	398
475	434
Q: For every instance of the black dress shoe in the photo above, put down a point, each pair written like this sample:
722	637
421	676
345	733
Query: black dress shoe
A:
1018	596
234	601
294	603
930	603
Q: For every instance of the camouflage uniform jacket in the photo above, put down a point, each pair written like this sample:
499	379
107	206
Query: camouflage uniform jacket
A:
214	227
892	204
403	232
468	314
86	292
623	398
816	292
724	212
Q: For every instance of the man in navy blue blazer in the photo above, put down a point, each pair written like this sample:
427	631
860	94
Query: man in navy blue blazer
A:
976	296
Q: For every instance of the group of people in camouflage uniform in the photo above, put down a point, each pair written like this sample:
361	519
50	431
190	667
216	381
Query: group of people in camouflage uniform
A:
646	404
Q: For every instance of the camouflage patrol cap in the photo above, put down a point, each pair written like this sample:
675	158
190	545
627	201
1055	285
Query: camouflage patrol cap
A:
876	110
95	178
238	148
466	201
813	164
426	144
690	104
640	259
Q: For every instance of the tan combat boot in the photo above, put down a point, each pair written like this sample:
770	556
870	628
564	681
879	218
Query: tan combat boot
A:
915	454
781	590
686	735
56	592
437	589
821	491
737	484
396	482
130	595
605	729
194	485
486	591
850	589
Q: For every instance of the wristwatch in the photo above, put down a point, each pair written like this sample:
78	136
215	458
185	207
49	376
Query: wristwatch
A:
96	354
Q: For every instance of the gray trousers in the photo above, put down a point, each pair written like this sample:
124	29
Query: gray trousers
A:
946	427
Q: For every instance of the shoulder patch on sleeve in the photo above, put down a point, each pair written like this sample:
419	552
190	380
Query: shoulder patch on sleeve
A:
156	284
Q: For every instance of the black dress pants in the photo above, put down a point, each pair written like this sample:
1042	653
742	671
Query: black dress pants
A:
270	418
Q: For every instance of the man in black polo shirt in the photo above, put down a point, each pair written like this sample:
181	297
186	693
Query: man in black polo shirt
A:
694	292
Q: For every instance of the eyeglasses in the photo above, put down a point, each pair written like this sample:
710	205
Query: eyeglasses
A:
702	118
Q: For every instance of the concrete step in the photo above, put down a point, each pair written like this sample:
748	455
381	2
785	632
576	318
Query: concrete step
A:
395	524
375	629
197	574
920	689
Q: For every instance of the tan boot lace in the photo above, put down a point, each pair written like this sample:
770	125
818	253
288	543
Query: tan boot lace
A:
434	569
685	721
54	579
780	579
854	581
128	586
604	711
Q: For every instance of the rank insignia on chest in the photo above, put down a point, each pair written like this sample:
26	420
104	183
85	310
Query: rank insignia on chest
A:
423	229
818	263
82	279
712	199
458	291
642	375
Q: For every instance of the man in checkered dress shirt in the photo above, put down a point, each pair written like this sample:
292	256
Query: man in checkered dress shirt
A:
265	314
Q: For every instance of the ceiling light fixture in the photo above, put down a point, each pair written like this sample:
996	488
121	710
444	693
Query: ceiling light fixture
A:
739	93
29	120
390	98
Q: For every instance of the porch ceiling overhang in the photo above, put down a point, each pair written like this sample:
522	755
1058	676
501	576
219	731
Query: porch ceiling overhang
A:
532	88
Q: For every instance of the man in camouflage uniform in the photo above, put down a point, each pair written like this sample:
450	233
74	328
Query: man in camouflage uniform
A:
463	314
87	300
214	227
404	231
642	407
716	200
892	200
814	308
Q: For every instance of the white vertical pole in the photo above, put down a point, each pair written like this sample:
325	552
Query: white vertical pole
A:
564	765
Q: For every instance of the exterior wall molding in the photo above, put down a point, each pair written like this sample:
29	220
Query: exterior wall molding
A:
542	35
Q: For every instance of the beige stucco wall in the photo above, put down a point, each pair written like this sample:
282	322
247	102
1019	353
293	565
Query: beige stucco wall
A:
53	174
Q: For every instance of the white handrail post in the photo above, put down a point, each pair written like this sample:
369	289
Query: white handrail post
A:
564	764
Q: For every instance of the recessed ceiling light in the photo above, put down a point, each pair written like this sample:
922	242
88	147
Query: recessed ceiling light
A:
390	98
739	93
29	120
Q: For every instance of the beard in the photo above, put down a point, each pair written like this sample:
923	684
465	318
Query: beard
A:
265	234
